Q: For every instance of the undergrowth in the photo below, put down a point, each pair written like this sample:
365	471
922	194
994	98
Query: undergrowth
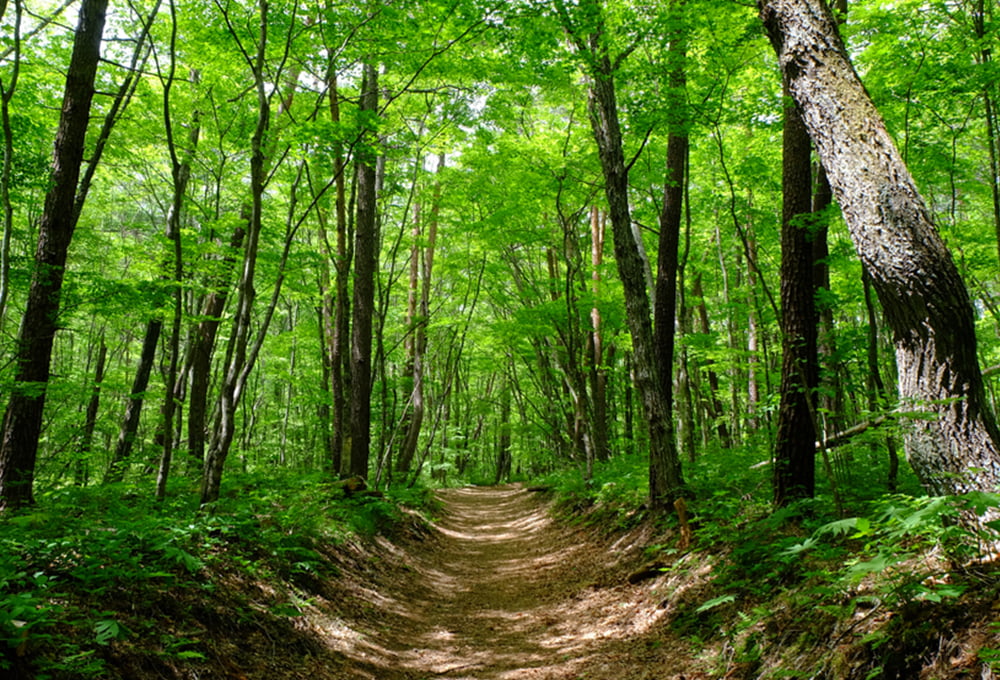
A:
86	569
877	585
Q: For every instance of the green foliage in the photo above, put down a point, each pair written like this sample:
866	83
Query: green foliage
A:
62	564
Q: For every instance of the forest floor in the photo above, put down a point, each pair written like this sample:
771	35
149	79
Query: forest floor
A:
501	590
497	587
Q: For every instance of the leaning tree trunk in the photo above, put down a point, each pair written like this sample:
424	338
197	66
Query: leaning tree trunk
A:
22	422
926	303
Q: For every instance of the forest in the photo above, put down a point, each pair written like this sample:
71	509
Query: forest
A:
275	275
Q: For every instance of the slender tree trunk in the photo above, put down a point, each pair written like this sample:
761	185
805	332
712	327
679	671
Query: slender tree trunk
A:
22	421
671	218
666	481
598	371
365	255
133	406
225	428
90	420
201	349
339	350
713	405
878	395
922	294
180	166
6	173
425	260
795	452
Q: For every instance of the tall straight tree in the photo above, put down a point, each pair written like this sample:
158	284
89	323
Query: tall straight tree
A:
587	30
924	298
671	216
365	237
795	447
22	421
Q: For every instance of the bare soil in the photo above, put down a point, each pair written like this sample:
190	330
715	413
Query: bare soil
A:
500	590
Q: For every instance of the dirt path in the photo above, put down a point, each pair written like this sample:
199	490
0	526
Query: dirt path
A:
504	591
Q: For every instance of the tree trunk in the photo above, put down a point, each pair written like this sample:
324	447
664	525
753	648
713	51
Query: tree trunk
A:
200	353
671	217
133	407
90	421
598	373
365	254
22	422
795	450
924	298
665	482
225	428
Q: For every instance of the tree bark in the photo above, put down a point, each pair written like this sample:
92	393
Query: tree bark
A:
665	478
795	449
925	300
90	420
133	407
22	420
364	286
671	217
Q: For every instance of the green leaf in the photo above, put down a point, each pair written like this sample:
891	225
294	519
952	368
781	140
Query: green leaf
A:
715	602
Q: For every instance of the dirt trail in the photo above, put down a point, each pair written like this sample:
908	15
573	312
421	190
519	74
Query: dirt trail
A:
504	591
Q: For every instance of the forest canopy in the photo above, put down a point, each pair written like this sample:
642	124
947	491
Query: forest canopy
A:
482	241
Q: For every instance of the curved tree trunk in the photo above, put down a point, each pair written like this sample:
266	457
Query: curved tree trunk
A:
926	303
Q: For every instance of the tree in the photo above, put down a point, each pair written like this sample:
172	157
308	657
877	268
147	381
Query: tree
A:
954	445
22	421
592	41
795	451
365	242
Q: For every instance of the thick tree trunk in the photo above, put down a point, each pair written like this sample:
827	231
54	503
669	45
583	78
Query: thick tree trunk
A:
364	288
22	421
926	303
795	450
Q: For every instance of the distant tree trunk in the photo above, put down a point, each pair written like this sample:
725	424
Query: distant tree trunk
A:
503	441
795	451
878	395
922	294
425	259
201	348
90	420
598	372
6	173
22	421
713	405
229	391
365	256
133	406
180	174
984	57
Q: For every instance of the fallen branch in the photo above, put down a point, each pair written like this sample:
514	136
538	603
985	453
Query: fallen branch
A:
844	436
